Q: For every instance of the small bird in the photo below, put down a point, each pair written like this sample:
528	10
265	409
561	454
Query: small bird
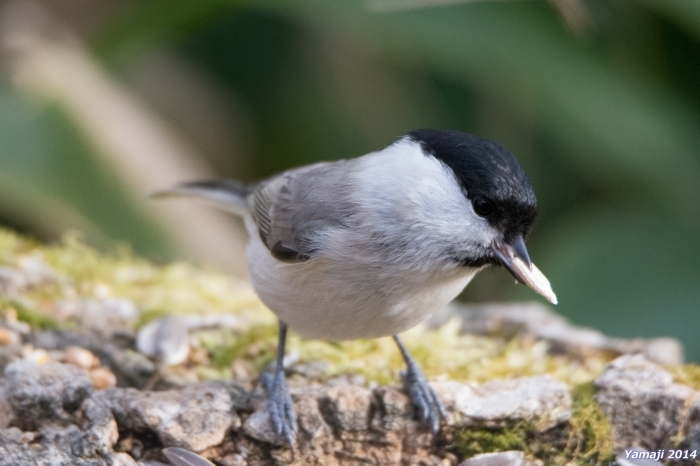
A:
369	247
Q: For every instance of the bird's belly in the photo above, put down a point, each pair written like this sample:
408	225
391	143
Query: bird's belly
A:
325	302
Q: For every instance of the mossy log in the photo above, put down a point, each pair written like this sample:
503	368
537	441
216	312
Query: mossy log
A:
523	381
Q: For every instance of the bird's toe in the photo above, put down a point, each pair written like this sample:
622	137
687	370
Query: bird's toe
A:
281	407
428	406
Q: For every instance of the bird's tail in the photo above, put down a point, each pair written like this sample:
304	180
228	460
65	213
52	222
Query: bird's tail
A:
228	195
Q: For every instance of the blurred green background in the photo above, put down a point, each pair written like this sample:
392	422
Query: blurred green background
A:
104	102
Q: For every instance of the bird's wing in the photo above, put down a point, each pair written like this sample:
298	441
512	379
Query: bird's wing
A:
293	209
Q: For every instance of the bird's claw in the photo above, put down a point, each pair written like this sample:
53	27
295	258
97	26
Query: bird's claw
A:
429	408
281	407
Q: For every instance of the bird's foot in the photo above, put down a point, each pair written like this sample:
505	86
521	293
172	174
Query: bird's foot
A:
429	408
282	416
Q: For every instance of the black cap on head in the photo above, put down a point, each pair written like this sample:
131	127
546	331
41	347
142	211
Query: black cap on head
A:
492	178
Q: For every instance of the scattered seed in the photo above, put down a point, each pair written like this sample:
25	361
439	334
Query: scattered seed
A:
8	337
81	357
103	378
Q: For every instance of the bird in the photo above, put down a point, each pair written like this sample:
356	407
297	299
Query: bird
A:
371	246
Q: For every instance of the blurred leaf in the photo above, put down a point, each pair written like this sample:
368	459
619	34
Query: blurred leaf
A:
685	12
151	22
43	158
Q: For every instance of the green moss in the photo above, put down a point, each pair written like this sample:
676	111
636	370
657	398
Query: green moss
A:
178	287
585	440
687	374
209	373
149	315
257	345
35	319
476	440
590	440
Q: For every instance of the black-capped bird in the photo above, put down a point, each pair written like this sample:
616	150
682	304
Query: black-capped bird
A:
370	247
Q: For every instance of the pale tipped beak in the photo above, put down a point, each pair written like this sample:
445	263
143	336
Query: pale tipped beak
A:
515	259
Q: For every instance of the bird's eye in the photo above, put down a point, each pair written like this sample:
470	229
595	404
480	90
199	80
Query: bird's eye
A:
482	207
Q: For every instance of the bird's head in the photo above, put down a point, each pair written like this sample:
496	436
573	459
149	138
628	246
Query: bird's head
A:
501	202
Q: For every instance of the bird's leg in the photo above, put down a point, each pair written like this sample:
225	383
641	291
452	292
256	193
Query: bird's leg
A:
429	407
282	416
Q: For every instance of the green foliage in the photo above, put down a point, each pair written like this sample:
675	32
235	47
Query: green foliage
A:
50	181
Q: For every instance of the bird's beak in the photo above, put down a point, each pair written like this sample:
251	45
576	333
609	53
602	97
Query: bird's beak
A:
516	260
